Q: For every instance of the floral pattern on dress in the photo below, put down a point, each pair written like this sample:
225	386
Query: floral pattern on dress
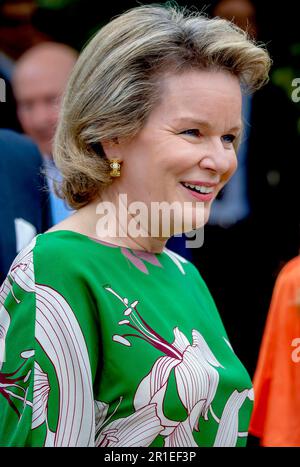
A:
82	421
137	430
58	333
195	369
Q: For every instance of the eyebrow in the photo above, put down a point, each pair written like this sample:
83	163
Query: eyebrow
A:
202	123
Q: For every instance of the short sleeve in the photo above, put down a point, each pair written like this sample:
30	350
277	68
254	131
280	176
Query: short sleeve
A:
46	382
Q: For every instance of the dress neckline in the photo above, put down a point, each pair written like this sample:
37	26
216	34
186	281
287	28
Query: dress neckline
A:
103	242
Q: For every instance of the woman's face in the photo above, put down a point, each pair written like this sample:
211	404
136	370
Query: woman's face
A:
187	140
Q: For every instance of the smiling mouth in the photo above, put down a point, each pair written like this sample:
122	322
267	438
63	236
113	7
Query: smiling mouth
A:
200	189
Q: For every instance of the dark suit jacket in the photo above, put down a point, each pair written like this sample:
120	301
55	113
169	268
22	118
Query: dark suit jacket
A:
22	192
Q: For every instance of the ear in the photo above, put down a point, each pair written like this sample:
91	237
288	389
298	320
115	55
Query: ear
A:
111	149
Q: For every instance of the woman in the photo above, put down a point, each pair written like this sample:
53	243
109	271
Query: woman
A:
110	338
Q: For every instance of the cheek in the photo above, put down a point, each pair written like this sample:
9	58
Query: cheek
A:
231	169
233	164
180	161
54	113
25	119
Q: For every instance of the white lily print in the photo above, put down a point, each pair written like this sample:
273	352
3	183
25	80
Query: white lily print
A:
196	379
182	435
19	265
230	418
177	259
136	430
4	325
9	388
63	344
195	373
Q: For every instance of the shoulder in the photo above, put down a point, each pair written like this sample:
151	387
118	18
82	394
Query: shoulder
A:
186	266
182	263
194	280
63	248
290	273
69	255
46	252
51	268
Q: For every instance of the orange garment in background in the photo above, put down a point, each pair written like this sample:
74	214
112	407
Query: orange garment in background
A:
276	416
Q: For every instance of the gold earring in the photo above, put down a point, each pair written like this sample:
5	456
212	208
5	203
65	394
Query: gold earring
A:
115	165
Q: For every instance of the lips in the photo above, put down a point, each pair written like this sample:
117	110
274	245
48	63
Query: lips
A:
202	191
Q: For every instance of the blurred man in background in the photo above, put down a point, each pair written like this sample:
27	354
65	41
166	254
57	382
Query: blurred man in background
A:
39	80
17	34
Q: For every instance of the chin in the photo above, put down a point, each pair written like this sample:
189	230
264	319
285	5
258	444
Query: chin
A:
206	214
201	218
192	218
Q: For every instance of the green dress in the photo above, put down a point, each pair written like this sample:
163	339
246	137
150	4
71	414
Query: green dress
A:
108	346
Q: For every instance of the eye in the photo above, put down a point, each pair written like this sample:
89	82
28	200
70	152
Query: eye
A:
191	132
229	139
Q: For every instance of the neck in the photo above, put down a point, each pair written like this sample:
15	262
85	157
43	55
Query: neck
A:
114	224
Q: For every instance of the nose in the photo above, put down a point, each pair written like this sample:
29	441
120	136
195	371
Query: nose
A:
217	158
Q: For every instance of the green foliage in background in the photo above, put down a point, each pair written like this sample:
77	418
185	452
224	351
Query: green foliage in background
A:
55	4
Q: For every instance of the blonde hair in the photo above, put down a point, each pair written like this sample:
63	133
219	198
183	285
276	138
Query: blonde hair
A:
114	85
